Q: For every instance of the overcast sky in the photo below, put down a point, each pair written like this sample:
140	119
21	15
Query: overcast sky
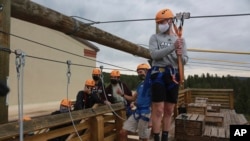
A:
223	33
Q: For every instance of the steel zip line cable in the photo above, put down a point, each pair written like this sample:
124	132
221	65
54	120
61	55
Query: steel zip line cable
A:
218	51
4	49
216	60
63	50
149	19
62	62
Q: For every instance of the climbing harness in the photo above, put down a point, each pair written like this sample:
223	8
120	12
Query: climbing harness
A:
143	99
138	113
138	116
20	62
173	75
158	74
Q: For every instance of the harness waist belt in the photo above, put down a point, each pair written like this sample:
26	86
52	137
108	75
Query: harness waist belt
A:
164	69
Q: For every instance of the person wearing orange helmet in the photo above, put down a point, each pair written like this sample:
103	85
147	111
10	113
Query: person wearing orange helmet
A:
139	120
117	91
65	106
86	98
96	75
164	48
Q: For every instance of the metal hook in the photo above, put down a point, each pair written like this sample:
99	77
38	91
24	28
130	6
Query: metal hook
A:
68	73
20	60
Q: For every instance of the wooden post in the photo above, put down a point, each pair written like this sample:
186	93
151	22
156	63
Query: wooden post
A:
119	122
4	56
32	12
97	128
188	96
231	99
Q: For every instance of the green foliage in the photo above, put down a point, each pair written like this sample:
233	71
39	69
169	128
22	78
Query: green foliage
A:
239	85
130	80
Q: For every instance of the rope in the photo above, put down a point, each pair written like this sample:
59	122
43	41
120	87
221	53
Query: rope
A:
5	49
101	68
69	108
20	61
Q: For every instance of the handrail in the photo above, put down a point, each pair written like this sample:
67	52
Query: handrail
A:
223	96
10	130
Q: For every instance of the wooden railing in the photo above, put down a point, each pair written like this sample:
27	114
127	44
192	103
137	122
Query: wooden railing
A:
100	124
225	97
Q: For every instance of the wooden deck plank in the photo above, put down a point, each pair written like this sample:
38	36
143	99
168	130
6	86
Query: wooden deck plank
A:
214	132
207	131
242	119
194	117
221	133
227	133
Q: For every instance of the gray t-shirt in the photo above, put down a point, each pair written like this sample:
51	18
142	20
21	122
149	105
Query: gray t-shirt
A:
162	50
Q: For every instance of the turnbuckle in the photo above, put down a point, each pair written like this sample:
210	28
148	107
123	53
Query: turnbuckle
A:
69	73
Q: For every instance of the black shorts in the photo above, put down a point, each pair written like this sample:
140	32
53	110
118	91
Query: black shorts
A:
167	91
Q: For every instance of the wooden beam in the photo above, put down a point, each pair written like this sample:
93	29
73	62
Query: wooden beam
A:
12	129
27	10
4	56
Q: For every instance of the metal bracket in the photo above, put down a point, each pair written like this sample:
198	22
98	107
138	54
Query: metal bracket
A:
182	15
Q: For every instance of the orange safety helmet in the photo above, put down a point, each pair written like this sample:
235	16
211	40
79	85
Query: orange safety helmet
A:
65	102
96	71
115	73
26	118
143	66
90	83
163	14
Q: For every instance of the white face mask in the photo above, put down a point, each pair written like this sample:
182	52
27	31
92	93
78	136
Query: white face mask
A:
163	27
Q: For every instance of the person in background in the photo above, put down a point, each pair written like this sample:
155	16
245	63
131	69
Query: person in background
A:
139	120
164	47
65	107
99	87
87	97
117	91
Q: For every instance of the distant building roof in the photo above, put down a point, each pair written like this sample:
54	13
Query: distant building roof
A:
87	43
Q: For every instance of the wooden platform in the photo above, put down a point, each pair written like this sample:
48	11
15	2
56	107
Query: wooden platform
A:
216	119
213	107
189	124
209	133
212	132
197	108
